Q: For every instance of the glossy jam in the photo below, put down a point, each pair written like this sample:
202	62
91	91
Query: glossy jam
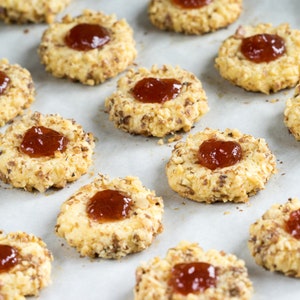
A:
109	206
293	224
194	277
156	90
263	47
39	141
85	37
215	153
9	257
4	81
190	4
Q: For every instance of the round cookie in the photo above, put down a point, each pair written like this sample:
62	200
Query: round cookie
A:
22	170
157	119
25	265
271	245
232	282
167	15
16	90
264	77
15	11
111	238
233	183
93	66
292	114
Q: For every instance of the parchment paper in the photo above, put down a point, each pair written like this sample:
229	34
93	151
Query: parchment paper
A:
117	154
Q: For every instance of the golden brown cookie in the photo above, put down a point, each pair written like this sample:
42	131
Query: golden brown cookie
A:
25	265
194	180
265	77
131	223
292	114
43	151
155	116
170	15
214	274
275	238
15	11
16	90
89	48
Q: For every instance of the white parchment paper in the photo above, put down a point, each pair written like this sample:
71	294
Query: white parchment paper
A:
117	154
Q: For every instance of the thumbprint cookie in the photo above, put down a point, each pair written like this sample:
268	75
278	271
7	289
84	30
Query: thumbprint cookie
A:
292	114
17	90
31	11
189	272
89	48
111	218
42	151
261	58
275	238
213	166
157	102
25	265
193	16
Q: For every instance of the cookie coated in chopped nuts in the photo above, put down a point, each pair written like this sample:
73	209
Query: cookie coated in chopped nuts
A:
31	273
41	173
31	11
234	183
271	246
292	114
93	66
19	93
232	276
166	15
266	77
116	239
157	119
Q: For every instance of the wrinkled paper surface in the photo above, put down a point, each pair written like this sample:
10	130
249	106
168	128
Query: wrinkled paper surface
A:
117	154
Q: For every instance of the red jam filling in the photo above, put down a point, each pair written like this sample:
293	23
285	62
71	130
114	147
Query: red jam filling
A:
293	224
109	206
194	277
9	257
261	48
214	153
4	80
39	141
84	37
156	90
190	4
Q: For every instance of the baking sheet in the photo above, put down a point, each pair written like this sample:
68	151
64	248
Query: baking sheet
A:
117	154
